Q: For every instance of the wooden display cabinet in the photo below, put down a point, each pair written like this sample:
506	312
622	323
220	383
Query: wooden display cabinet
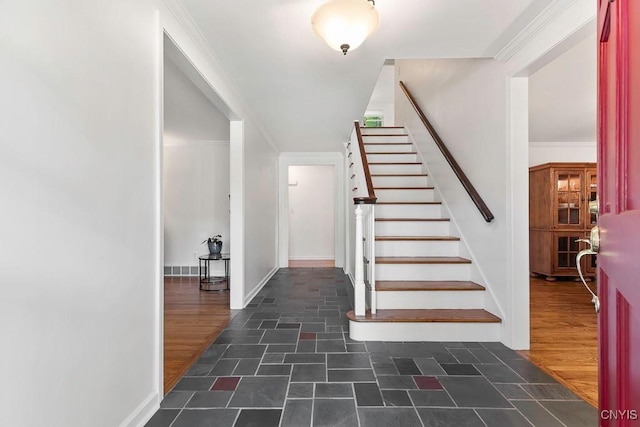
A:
560	196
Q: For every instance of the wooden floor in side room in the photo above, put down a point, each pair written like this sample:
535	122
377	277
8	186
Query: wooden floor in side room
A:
192	321
564	335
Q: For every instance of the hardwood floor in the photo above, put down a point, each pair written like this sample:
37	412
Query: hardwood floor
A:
564	335
192	320
311	263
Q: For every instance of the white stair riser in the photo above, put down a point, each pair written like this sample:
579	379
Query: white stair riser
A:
385	138
405	195
392	158
377	148
408	211
394	248
389	169
400	181
422	271
382	131
427	331
412	228
407	300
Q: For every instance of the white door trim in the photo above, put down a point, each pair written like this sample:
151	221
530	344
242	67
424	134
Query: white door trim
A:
559	31
310	159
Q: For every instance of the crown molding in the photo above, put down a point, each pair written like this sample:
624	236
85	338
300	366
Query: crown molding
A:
537	25
180	13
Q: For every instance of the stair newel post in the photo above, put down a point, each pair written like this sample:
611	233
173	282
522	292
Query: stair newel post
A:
372	256
360	290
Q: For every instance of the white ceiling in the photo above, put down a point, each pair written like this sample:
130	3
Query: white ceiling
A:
562	96
307	95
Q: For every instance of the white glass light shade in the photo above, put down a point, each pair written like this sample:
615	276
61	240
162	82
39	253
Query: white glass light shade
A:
345	22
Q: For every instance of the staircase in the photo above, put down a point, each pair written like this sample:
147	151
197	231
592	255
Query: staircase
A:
424	291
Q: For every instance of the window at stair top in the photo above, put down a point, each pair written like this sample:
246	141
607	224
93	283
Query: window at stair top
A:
373	121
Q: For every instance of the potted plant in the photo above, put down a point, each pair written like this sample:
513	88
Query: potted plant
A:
214	243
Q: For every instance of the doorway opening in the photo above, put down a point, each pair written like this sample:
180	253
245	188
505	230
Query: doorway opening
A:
195	206
310	247
562	194
311	216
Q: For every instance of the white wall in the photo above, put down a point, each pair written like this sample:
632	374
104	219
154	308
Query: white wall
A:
311	213
260	211
382	97
545	152
562	96
78	178
562	107
196	200
465	99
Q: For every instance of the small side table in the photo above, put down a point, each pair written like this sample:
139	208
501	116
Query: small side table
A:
204	271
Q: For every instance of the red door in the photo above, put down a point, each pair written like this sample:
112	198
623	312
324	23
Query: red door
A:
619	221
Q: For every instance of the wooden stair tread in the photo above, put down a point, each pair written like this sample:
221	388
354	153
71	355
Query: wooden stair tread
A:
385	134
391	152
403	188
422	260
412	219
399	174
386	143
395	163
428	285
417	238
427	316
408	203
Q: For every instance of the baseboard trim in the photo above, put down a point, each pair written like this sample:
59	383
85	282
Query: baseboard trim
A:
311	258
143	413
352	280
259	287
191	270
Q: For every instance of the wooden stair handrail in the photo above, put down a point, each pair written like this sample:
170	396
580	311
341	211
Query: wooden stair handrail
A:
371	199
475	197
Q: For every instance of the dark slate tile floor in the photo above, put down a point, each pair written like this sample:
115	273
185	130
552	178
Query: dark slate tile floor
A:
287	361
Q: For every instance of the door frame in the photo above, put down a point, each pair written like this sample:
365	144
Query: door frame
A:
285	160
558	28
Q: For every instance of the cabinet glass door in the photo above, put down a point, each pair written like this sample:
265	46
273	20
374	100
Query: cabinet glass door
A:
592	192
567	248
570	199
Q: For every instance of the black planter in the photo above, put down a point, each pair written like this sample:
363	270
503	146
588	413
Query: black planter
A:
214	247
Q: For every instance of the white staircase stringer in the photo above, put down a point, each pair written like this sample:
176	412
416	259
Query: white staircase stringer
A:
476	273
424	331
419	300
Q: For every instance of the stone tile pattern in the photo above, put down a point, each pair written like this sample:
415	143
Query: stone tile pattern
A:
287	360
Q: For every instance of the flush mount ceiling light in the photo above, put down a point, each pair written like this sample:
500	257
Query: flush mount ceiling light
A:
345	24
